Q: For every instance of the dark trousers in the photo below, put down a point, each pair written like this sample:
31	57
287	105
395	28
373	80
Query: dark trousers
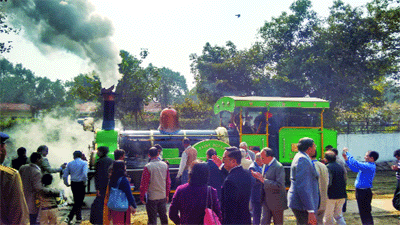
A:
397	187
33	218
78	192
276	215
157	206
301	216
364	198
256	205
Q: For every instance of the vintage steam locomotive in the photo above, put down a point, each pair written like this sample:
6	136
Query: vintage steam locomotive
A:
275	122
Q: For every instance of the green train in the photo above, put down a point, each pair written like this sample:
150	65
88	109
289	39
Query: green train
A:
275	122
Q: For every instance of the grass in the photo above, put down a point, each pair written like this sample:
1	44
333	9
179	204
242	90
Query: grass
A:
384	184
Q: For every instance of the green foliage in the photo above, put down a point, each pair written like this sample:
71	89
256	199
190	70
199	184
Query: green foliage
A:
196	115
5	47
9	123
20	85
137	87
172	87
368	118
85	87
222	71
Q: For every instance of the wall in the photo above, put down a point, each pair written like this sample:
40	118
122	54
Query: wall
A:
358	144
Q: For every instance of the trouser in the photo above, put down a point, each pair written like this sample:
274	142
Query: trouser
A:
397	187
256	206
334	211
78	192
320	216
185	177
364	198
277	215
301	216
157	206
33	218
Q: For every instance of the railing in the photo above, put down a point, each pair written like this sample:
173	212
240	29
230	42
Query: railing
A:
368	127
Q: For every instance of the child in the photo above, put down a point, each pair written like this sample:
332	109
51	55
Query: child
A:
49	203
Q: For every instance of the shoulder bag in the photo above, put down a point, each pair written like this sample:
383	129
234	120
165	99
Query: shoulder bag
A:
210	218
118	200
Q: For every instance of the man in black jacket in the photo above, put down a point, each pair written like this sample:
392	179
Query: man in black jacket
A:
336	190
236	189
101	182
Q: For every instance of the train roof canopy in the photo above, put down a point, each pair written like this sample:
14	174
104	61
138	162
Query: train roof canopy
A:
229	103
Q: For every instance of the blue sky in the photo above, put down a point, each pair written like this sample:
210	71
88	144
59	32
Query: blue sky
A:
170	30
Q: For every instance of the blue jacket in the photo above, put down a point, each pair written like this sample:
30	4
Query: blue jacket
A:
303	192
235	197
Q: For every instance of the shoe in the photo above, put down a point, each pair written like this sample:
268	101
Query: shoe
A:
78	221
67	221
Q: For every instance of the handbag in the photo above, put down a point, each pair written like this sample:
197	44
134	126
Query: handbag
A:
210	218
118	200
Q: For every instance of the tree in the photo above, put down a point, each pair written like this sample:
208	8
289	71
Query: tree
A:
339	59
20	85
85	87
223	71
137	86
6	29
172	87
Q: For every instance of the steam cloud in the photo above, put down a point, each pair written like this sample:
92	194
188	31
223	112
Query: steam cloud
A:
70	25
62	135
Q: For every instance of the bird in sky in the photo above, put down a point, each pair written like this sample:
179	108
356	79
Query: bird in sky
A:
238	15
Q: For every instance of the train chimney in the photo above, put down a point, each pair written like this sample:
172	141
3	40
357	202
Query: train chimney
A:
109	108
169	121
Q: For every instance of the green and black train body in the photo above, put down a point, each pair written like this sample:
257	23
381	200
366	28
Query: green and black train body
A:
284	120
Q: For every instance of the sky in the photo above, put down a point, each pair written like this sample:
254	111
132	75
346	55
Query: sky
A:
169	30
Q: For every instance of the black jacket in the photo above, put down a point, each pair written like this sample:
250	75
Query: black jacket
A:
337	181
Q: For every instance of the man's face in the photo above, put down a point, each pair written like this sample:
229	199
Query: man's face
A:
265	159
367	158
397	157
45	153
312	150
259	161
228	164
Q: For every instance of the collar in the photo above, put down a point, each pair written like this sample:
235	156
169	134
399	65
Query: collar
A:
37	167
155	159
235	168
308	157
271	161
188	147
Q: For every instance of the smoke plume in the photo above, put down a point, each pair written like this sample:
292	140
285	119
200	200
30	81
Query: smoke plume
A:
62	135
69	25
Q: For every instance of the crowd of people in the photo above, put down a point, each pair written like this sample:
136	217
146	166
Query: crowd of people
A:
244	187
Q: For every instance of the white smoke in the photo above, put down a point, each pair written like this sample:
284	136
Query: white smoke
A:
69	25
62	135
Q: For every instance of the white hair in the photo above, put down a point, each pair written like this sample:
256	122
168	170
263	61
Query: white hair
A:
243	145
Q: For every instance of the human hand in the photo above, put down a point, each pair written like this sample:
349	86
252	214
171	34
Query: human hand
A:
64	165
345	150
312	219
395	167
133	210
143	202
98	193
216	160
257	175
